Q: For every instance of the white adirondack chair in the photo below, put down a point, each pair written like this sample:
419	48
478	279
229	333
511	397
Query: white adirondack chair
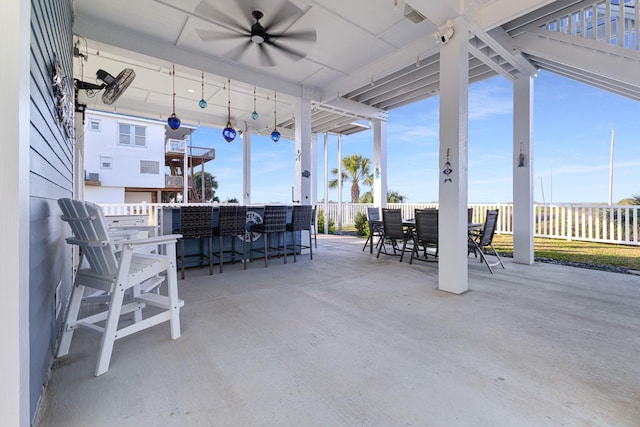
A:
118	272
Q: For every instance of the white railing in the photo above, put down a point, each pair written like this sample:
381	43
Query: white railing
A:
592	223
602	21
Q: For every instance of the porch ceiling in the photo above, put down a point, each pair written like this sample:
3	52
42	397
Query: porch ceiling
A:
368	57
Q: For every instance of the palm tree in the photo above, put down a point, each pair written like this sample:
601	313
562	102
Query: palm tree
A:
356	169
210	186
392	197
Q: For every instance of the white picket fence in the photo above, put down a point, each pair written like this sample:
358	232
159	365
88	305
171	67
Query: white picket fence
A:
593	223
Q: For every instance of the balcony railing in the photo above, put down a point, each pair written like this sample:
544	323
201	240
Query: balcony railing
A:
593	223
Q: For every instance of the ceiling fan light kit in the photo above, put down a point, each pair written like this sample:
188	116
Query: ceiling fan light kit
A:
173	121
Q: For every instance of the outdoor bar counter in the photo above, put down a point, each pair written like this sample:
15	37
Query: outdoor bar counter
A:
169	222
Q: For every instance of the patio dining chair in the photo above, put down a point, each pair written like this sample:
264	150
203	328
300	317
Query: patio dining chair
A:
116	271
425	234
375	228
482	241
393	232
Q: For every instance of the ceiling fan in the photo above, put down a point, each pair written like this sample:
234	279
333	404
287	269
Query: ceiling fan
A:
265	35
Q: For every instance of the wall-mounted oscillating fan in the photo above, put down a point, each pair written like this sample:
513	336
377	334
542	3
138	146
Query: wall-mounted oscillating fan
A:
268	36
113	87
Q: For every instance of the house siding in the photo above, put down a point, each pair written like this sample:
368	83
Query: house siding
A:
51	177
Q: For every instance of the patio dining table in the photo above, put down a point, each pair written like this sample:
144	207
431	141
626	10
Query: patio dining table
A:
411	223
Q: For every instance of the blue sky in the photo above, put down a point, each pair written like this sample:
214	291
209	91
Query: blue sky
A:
571	134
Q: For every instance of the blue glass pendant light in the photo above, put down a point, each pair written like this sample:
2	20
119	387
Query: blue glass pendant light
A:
255	114
275	135
173	121
202	103
229	133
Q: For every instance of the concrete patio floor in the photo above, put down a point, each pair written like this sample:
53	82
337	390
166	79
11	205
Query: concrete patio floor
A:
351	340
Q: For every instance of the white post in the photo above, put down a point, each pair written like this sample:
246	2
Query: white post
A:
15	189
302	179
380	163
246	168
523	170
339	183
313	154
326	183
611	171
453	174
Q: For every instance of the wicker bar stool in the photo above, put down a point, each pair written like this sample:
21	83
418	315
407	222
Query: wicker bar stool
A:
274	222
301	220
195	223
232	221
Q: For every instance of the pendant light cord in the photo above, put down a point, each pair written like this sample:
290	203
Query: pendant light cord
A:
173	73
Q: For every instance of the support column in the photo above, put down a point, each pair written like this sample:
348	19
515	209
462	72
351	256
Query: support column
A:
380	163
314	168
339	183
453	174
15	189
523	170
302	180
246	168
325	226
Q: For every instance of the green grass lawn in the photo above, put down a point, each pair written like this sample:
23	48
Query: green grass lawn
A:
576	251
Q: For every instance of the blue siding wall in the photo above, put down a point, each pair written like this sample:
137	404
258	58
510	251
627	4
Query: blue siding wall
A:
51	170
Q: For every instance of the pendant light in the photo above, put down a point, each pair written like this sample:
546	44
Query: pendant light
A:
275	135
229	133
255	114
173	121
202	103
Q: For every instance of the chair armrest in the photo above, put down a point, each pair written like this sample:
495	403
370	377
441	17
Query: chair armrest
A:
158	240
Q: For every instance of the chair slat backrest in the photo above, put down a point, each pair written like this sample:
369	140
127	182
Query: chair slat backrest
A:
301	217
196	221
373	214
275	219
427	225
392	223
232	220
489	228
90	228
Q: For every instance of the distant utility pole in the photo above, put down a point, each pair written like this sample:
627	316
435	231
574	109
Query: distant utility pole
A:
611	171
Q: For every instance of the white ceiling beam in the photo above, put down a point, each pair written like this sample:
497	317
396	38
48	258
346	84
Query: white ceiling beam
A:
347	106
499	12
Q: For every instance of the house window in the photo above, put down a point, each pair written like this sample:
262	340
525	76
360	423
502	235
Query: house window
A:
95	125
105	162
134	136
150	167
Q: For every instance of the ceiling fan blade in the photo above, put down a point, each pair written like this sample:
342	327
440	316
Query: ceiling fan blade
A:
238	52
265	57
306	35
282	18
296	55
209	12
212	35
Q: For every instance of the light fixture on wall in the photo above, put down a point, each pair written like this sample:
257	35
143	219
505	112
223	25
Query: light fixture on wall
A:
202	103
275	135
229	133
255	114
173	121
